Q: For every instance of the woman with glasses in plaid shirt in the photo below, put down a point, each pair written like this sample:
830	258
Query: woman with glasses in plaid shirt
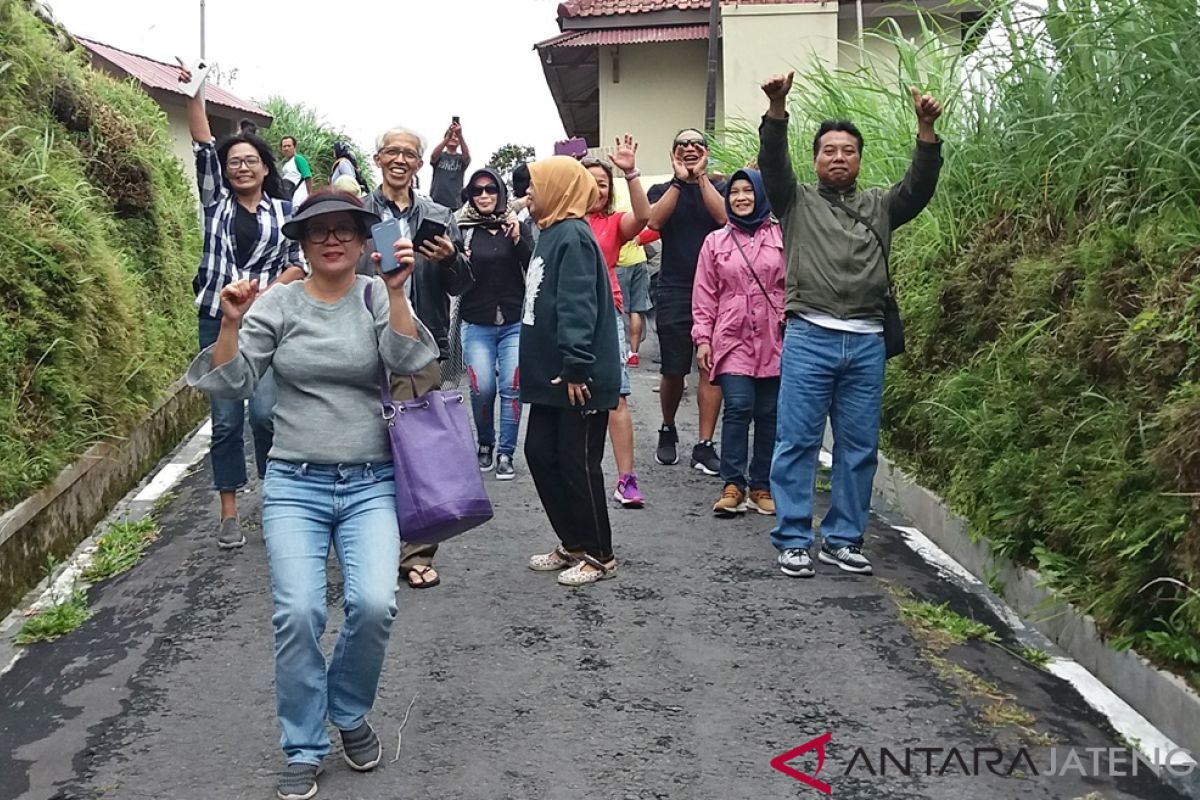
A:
243	220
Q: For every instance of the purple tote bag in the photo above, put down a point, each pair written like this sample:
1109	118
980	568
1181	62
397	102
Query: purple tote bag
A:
439	488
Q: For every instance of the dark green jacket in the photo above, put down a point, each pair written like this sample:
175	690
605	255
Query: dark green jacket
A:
835	265
569	323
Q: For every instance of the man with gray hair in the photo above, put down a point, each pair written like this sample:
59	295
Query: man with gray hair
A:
441	271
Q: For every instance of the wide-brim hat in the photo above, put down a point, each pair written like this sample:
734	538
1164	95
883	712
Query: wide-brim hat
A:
318	206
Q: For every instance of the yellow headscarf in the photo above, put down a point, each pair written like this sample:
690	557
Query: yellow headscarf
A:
562	189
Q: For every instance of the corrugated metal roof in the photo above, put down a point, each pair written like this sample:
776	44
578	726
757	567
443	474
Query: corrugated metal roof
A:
603	8
159	75
676	33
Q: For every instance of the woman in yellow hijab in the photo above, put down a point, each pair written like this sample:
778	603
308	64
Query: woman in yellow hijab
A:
570	371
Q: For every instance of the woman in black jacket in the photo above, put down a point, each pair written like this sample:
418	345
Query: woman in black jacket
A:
499	250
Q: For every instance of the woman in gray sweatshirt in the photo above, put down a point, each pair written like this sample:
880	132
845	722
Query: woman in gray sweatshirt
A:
329	470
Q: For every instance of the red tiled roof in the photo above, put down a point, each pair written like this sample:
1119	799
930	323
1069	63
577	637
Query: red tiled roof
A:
159	75
604	8
675	33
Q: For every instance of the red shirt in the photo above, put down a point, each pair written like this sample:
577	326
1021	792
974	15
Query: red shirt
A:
607	230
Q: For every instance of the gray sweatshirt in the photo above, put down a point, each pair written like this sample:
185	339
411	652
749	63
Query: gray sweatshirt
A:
326	361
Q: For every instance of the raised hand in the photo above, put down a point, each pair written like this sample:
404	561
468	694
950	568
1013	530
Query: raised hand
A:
236	299
928	109
439	248
700	167
680	168
776	87
625	159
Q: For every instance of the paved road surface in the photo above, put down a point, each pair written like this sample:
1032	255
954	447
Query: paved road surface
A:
683	678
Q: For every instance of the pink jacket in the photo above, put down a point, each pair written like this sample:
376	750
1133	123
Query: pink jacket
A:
729	311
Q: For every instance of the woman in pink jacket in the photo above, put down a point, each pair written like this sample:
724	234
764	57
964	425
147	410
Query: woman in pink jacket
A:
737	311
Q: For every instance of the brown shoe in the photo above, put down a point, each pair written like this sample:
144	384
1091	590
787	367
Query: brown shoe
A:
732	502
762	502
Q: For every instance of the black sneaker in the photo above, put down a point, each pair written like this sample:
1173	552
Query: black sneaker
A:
795	563
485	458
667	439
361	748
297	782
704	458
504	468
848	558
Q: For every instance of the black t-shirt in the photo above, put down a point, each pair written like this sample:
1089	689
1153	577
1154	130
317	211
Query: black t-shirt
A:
449	173
499	269
245	234
683	234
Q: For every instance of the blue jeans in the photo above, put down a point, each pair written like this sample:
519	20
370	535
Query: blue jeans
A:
489	349
839	375
748	399
302	505
228	424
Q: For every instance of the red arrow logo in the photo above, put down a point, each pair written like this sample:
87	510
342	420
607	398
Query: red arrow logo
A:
818	744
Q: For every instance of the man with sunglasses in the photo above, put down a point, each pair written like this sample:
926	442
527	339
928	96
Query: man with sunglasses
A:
684	211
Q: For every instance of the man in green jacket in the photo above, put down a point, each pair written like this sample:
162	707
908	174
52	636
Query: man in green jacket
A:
837	237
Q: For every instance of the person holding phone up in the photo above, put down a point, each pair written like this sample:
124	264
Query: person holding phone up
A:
244	210
440	271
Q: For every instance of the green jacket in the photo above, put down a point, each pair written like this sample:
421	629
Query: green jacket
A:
835	265
569	323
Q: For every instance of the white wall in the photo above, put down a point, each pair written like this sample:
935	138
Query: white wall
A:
762	40
657	89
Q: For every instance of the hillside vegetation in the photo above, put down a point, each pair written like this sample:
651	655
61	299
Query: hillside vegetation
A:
99	242
1051	389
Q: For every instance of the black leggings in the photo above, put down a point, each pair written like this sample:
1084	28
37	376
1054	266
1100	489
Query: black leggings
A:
564	448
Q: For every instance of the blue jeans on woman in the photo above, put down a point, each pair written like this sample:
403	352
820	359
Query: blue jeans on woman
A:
302	504
748	400
826	373
491	352
229	420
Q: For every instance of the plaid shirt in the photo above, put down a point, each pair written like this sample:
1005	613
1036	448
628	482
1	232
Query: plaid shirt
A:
272	254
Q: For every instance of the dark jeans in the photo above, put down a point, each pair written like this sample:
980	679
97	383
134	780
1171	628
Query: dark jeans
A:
748	399
228	424
564	448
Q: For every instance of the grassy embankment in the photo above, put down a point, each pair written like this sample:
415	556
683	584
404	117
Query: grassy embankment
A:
1051	390
99	241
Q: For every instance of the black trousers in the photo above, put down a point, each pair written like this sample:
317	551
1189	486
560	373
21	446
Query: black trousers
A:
564	448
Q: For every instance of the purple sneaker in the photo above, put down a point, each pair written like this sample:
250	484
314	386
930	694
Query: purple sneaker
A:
627	493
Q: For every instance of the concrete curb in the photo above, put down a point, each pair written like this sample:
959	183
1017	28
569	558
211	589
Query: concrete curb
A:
1164	699
56	519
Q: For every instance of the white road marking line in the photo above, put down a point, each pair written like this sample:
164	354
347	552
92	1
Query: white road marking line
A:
69	578
1139	731
1155	746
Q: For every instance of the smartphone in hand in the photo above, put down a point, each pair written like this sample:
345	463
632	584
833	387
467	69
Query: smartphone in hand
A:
383	236
428	229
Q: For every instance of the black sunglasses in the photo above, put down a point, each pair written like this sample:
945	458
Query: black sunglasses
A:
690	143
487	188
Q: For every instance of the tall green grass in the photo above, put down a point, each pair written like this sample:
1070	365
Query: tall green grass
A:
98	244
1051	293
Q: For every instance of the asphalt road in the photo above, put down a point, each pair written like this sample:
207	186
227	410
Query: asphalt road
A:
682	678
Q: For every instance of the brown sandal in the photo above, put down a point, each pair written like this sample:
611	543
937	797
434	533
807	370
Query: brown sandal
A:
421	571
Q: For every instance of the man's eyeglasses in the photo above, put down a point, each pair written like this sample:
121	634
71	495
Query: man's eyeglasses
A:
319	234
487	188
690	143
392	153
238	163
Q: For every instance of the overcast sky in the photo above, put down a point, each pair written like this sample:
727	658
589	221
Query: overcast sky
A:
364	65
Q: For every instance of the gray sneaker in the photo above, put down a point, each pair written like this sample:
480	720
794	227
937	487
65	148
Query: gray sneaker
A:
795	563
361	748
848	558
298	781
504	468
230	534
